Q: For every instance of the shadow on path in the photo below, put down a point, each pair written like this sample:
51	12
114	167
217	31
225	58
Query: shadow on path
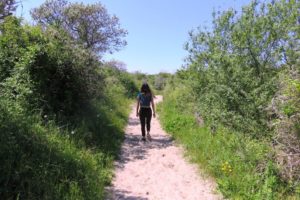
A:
133	121
124	195
135	149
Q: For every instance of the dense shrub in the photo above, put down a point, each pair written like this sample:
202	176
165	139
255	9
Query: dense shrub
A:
61	117
61	78
233	68
235	104
286	140
120	76
240	165
39	162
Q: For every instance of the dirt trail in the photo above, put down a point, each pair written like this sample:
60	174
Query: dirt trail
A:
156	170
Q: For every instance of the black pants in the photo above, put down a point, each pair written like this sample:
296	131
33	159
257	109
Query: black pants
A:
145	118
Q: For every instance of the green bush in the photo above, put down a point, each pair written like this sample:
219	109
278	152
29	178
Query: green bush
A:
233	69
62	78
243	167
61	122
120	77
41	162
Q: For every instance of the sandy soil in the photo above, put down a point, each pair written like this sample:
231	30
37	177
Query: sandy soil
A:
156	170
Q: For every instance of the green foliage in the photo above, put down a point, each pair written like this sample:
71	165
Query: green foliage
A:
61	120
233	69
286	105
289	110
270	183
119	76
220	106
47	162
91	26
61	78
158	82
37	164
243	167
7	7
292	92
161	80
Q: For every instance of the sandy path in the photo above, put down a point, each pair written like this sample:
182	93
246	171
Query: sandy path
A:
156	170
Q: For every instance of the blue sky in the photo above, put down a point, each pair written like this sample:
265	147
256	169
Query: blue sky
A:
157	29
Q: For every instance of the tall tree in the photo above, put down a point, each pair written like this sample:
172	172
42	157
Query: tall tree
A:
89	25
7	7
233	68
50	12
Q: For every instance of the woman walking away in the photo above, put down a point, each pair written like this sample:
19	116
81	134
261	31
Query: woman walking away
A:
143	109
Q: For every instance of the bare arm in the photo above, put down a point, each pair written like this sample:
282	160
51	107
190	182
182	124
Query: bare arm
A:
153	107
137	107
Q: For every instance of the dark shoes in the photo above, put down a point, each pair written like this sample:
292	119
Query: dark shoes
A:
149	137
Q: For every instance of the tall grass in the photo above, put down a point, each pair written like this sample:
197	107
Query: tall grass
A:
62	114
242	167
41	159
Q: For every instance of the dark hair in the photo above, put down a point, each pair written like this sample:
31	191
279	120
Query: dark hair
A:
146	89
